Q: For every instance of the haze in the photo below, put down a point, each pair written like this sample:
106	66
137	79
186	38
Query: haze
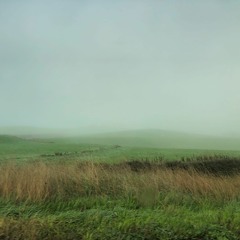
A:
116	65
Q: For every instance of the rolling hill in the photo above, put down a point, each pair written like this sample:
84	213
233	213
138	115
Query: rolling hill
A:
153	138
162	139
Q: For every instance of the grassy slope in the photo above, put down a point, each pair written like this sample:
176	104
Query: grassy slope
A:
101	148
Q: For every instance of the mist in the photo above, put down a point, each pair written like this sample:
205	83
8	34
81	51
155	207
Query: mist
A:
116	65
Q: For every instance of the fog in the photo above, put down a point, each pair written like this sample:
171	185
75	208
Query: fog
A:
115	65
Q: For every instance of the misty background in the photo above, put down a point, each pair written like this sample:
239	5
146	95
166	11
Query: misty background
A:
116	65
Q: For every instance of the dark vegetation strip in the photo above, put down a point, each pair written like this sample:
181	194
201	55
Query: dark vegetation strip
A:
216	164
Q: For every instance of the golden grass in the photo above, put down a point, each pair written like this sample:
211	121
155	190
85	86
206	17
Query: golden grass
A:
42	181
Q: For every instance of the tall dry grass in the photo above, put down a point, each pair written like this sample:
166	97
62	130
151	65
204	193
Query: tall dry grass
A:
42	181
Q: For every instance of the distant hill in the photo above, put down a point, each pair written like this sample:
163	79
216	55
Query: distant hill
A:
163	139
153	138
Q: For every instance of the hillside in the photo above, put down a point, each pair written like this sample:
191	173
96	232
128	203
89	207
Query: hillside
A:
153	138
6	139
162	139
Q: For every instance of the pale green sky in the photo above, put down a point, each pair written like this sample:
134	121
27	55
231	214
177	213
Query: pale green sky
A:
121	64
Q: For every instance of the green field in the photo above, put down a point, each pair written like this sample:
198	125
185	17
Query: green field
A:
119	186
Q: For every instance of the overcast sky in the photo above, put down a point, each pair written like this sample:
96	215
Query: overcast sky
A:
121	64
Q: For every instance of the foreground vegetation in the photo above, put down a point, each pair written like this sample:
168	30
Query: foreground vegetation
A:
65	189
186	199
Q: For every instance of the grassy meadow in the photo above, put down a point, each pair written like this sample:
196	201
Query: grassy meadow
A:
126	186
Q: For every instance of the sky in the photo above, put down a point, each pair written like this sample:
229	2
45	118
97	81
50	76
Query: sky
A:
113	65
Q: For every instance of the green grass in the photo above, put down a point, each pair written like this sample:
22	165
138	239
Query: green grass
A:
105	218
